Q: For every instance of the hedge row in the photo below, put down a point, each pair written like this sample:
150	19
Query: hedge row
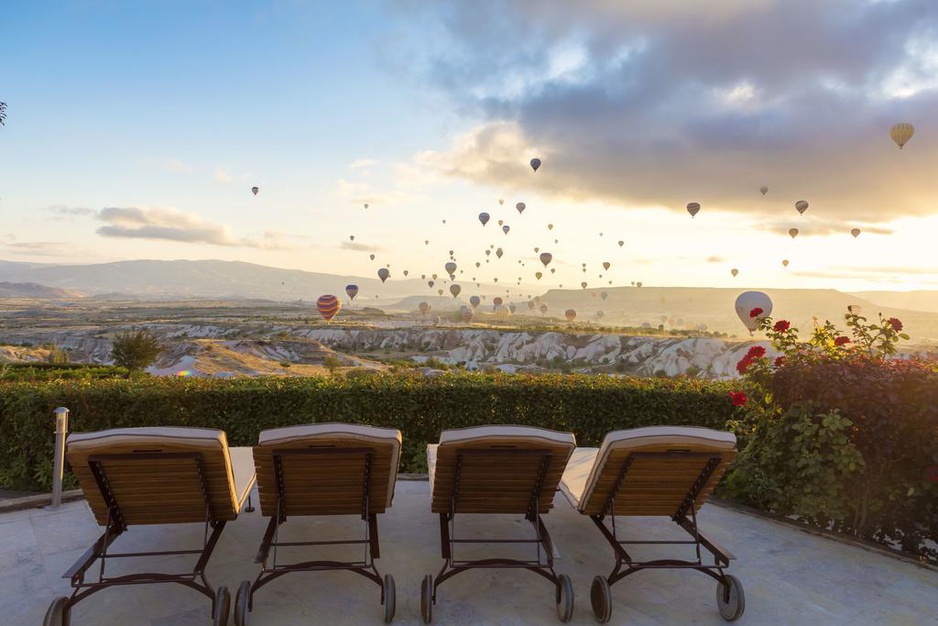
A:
421	406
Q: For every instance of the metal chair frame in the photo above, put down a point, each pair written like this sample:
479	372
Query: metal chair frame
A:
116	526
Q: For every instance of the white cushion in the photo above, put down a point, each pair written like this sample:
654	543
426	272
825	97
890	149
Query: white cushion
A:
586	465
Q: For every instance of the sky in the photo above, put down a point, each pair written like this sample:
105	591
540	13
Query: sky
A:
136	130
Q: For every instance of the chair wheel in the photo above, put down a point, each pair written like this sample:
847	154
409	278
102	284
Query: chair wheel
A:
426	599
222	606
601	598
564	598
390	598
242	603
731	601
58	613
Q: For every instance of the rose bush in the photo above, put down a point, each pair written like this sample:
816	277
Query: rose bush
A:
840	434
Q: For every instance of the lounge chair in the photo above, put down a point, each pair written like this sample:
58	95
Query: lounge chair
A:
654	471
497	470
135	476
323	469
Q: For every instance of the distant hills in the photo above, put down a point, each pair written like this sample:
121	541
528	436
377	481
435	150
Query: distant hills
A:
668	307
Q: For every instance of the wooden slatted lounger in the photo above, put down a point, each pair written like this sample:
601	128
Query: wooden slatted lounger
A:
497	470
654	471
134	476
323	469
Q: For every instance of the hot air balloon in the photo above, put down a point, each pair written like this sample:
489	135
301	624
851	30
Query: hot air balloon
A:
430	284
455	289
546	258
538	275
439	292
752	306
638	283
583	285
901	133
604	295
570	314
793	232
734	271
520	206
254	190
484	218
512	308
352	291
764	189
371	256
535	163
802	206
351	237
550	227
600	313
499	253
366	205
328	306
383	274
406	272
506	228
497	301
784	262
501	201
855	232
693	208
465	312
450	268
424	308
606	265
621	243
474	301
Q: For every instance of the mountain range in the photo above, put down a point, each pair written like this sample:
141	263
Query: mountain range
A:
666	307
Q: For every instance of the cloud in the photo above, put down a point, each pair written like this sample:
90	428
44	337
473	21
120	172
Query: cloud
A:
170	224
359	247
164	224
667	102
222	175
63	213
40	249
177	166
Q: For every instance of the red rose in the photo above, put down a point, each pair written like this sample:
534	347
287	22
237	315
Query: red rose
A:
839	341
781	326
755	352
756	312
895	323
739	398
779	361
743	364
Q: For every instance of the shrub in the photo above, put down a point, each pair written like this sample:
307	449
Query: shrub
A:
840	435
135	349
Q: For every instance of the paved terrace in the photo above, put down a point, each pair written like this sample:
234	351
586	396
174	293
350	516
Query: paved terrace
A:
789	576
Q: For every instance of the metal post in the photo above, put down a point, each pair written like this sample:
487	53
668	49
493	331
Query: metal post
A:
61	429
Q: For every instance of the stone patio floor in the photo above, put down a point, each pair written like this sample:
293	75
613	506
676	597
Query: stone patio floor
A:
789	576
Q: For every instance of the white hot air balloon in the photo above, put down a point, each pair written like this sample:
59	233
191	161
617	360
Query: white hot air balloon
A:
901	133
751	307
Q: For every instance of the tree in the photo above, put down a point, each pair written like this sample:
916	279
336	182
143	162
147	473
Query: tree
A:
135	349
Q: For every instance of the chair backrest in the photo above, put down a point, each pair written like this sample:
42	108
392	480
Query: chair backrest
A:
665	466
323	468
498	469
155	475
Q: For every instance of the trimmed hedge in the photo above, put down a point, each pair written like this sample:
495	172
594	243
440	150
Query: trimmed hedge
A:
421	406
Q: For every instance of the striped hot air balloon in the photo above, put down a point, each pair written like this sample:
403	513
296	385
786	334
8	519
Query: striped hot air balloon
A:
901	133
328	306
